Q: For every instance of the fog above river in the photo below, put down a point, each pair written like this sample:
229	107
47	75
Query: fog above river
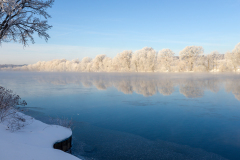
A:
190	85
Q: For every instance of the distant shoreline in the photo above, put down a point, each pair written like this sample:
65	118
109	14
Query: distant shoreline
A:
11	65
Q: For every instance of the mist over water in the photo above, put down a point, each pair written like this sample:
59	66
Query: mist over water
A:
187	84
138	115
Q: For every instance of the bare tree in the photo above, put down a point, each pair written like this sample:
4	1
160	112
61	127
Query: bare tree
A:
20	19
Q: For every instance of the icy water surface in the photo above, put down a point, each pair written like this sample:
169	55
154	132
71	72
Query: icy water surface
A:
138	116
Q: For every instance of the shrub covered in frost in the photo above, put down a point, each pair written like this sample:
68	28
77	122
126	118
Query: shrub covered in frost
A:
9	112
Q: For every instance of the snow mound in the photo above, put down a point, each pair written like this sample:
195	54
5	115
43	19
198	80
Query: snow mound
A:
33	142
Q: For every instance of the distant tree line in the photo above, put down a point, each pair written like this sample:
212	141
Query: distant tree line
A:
9	66
190	59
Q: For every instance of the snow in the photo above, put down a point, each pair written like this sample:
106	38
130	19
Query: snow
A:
33	142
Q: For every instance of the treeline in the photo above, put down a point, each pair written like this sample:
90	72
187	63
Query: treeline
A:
191	59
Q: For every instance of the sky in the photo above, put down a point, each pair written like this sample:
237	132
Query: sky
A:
87	28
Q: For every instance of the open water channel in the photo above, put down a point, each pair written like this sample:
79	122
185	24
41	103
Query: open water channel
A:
138	116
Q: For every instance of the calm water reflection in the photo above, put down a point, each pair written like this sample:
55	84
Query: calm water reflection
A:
139	116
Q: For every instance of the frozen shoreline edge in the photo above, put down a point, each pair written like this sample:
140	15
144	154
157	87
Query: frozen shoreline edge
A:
34	141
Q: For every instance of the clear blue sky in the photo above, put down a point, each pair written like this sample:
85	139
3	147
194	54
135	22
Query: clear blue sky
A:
87	28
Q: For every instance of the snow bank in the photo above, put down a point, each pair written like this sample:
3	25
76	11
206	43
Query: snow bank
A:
33	142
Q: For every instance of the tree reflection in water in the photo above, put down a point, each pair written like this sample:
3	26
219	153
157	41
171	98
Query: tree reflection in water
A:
190	85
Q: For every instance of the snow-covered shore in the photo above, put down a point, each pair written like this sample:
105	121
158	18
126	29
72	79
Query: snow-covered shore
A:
33	142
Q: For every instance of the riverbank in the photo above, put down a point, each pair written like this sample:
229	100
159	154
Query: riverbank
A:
34	141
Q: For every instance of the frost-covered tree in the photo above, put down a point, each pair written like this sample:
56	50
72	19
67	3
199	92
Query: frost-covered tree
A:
116	66
237	50
9	111
135	62
211	61
208	59
179	66
165	59
233	57
190	54
231	61
123	60
85	64
20	19
75	65
144	60
199	64
107	64
97	63
215	59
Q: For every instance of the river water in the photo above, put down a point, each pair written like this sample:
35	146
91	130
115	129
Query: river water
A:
138	116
